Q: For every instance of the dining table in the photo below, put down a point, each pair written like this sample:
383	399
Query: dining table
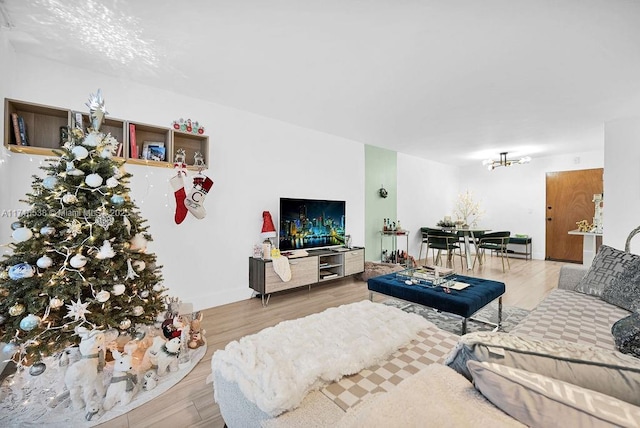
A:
469	238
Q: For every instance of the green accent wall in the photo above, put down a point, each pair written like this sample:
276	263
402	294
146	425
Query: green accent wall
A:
381	167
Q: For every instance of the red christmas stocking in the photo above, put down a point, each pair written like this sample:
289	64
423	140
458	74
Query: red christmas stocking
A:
195	200
178	190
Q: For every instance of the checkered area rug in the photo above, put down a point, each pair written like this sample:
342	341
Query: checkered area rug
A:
573	323
432	346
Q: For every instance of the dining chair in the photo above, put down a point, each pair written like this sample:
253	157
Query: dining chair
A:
439	240
493	241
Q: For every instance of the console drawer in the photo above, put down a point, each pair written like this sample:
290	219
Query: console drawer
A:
354	262
304	271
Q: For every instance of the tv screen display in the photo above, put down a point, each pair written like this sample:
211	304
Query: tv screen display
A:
311	223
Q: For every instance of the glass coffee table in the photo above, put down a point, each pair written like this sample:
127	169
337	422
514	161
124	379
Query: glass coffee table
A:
455	294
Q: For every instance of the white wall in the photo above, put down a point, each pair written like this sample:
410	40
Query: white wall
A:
622	182
253	161
427	191
514	198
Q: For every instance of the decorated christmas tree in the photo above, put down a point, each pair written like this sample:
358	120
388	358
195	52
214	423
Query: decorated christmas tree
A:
79	252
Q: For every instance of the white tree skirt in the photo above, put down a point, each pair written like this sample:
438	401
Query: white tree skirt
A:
42	400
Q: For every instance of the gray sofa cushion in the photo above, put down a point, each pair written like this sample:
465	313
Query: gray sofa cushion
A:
608	372
626	333
539	401
614	276
607	266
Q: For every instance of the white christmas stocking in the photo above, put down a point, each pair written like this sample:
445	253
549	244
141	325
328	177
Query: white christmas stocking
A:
195	200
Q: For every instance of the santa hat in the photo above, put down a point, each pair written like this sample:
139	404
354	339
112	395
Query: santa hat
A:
268	229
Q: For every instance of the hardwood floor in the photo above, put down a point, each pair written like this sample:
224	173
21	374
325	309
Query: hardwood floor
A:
190	403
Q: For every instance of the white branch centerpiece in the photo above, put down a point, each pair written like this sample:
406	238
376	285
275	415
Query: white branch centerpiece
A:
467	210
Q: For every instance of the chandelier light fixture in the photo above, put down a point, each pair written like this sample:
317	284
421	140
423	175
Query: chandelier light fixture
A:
504	161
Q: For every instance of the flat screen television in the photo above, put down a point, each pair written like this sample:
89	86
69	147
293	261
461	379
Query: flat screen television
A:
311	223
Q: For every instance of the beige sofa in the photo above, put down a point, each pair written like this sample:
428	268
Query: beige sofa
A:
481	379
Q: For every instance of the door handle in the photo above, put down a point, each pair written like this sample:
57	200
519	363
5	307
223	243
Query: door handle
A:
548	218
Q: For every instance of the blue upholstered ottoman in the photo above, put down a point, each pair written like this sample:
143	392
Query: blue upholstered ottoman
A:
464	303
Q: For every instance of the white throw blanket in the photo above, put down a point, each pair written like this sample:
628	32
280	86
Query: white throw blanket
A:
278	366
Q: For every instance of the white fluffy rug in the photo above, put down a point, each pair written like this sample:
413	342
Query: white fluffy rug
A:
278	366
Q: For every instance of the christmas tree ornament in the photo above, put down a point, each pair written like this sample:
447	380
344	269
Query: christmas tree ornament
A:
92	139
118	289
106	251
97	111
195	201
105	220
125	324
103	296
4	274
139	265
157	287
80	152
137	311
72	170
49	182
44	262
117	200
77	310
144	294
4	292
21	271
131	273
78	261
2	319
177	183
29	322
47	230
112	182
93	180
37	369
127	224
16	309
74	228
16	225
69	198
9	348
55	303
138	243
22	234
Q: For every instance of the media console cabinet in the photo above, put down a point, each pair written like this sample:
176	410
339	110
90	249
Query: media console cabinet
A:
319	266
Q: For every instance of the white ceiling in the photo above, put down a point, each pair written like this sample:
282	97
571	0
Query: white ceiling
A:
452	81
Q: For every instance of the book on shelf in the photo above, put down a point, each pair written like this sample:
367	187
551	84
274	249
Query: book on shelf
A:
16	128
133	149
23	131
327	275
119	150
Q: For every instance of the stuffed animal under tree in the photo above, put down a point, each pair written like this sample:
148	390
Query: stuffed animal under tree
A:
79	252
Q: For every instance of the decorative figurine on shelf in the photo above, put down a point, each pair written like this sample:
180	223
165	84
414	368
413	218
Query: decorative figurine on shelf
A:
198	160
188	126
584	226
180	159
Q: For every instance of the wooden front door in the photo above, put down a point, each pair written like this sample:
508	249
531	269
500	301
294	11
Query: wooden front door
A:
569	200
